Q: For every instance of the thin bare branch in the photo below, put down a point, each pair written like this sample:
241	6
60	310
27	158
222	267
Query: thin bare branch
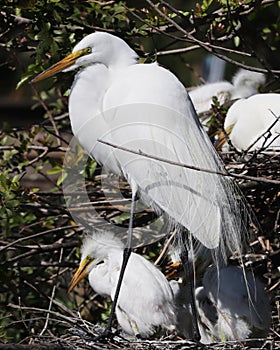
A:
238	176
39	234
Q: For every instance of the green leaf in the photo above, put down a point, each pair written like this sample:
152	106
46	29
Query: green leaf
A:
55	170
61	178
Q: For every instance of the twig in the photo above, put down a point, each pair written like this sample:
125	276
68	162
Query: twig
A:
52	295
55	302
192	167
102	3
70	320
177	51
277	119
39	234
36	148
43	248
165	248
195	47
48	113
40	156
190	38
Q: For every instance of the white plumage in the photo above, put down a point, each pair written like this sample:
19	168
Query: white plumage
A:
232	305
144	107
146	301
245	83
251	122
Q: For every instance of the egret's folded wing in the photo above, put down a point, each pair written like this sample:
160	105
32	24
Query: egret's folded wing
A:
156	117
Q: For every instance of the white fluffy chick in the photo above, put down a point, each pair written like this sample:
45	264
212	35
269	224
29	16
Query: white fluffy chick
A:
232	305
244	83
146	300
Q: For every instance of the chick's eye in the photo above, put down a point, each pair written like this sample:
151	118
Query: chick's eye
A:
89	258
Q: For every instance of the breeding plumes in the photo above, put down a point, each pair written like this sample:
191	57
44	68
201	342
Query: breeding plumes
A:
245	83
145	108
232	305
254	123
145	302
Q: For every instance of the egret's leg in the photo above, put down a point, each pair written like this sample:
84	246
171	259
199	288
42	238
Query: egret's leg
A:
190	289
126	254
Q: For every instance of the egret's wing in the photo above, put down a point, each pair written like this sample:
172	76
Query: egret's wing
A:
145	296
156	117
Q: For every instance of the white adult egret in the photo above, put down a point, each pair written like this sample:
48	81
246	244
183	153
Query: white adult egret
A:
145	108
145	302
254	122
232	305
244	83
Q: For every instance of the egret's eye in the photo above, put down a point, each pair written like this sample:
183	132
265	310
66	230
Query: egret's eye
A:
89	258
88	50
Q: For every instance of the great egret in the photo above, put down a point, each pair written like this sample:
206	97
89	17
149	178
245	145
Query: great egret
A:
245	83
254	122
145	108
146	299
232	305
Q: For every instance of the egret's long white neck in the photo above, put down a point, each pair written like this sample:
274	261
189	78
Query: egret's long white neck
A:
85	101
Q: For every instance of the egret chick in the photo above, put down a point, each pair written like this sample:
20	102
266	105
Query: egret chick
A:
146	300
245	83
232	305
254	122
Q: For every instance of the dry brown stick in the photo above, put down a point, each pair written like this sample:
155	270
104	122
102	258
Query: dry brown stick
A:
265	134
165	248
39	234
206	46
195	168
43	248
49	115
102	3
55	302
70	320
52	296
35	148
195	47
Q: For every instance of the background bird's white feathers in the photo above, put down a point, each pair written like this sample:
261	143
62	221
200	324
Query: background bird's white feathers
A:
244	83
251	118
144	107
202	95
241	304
